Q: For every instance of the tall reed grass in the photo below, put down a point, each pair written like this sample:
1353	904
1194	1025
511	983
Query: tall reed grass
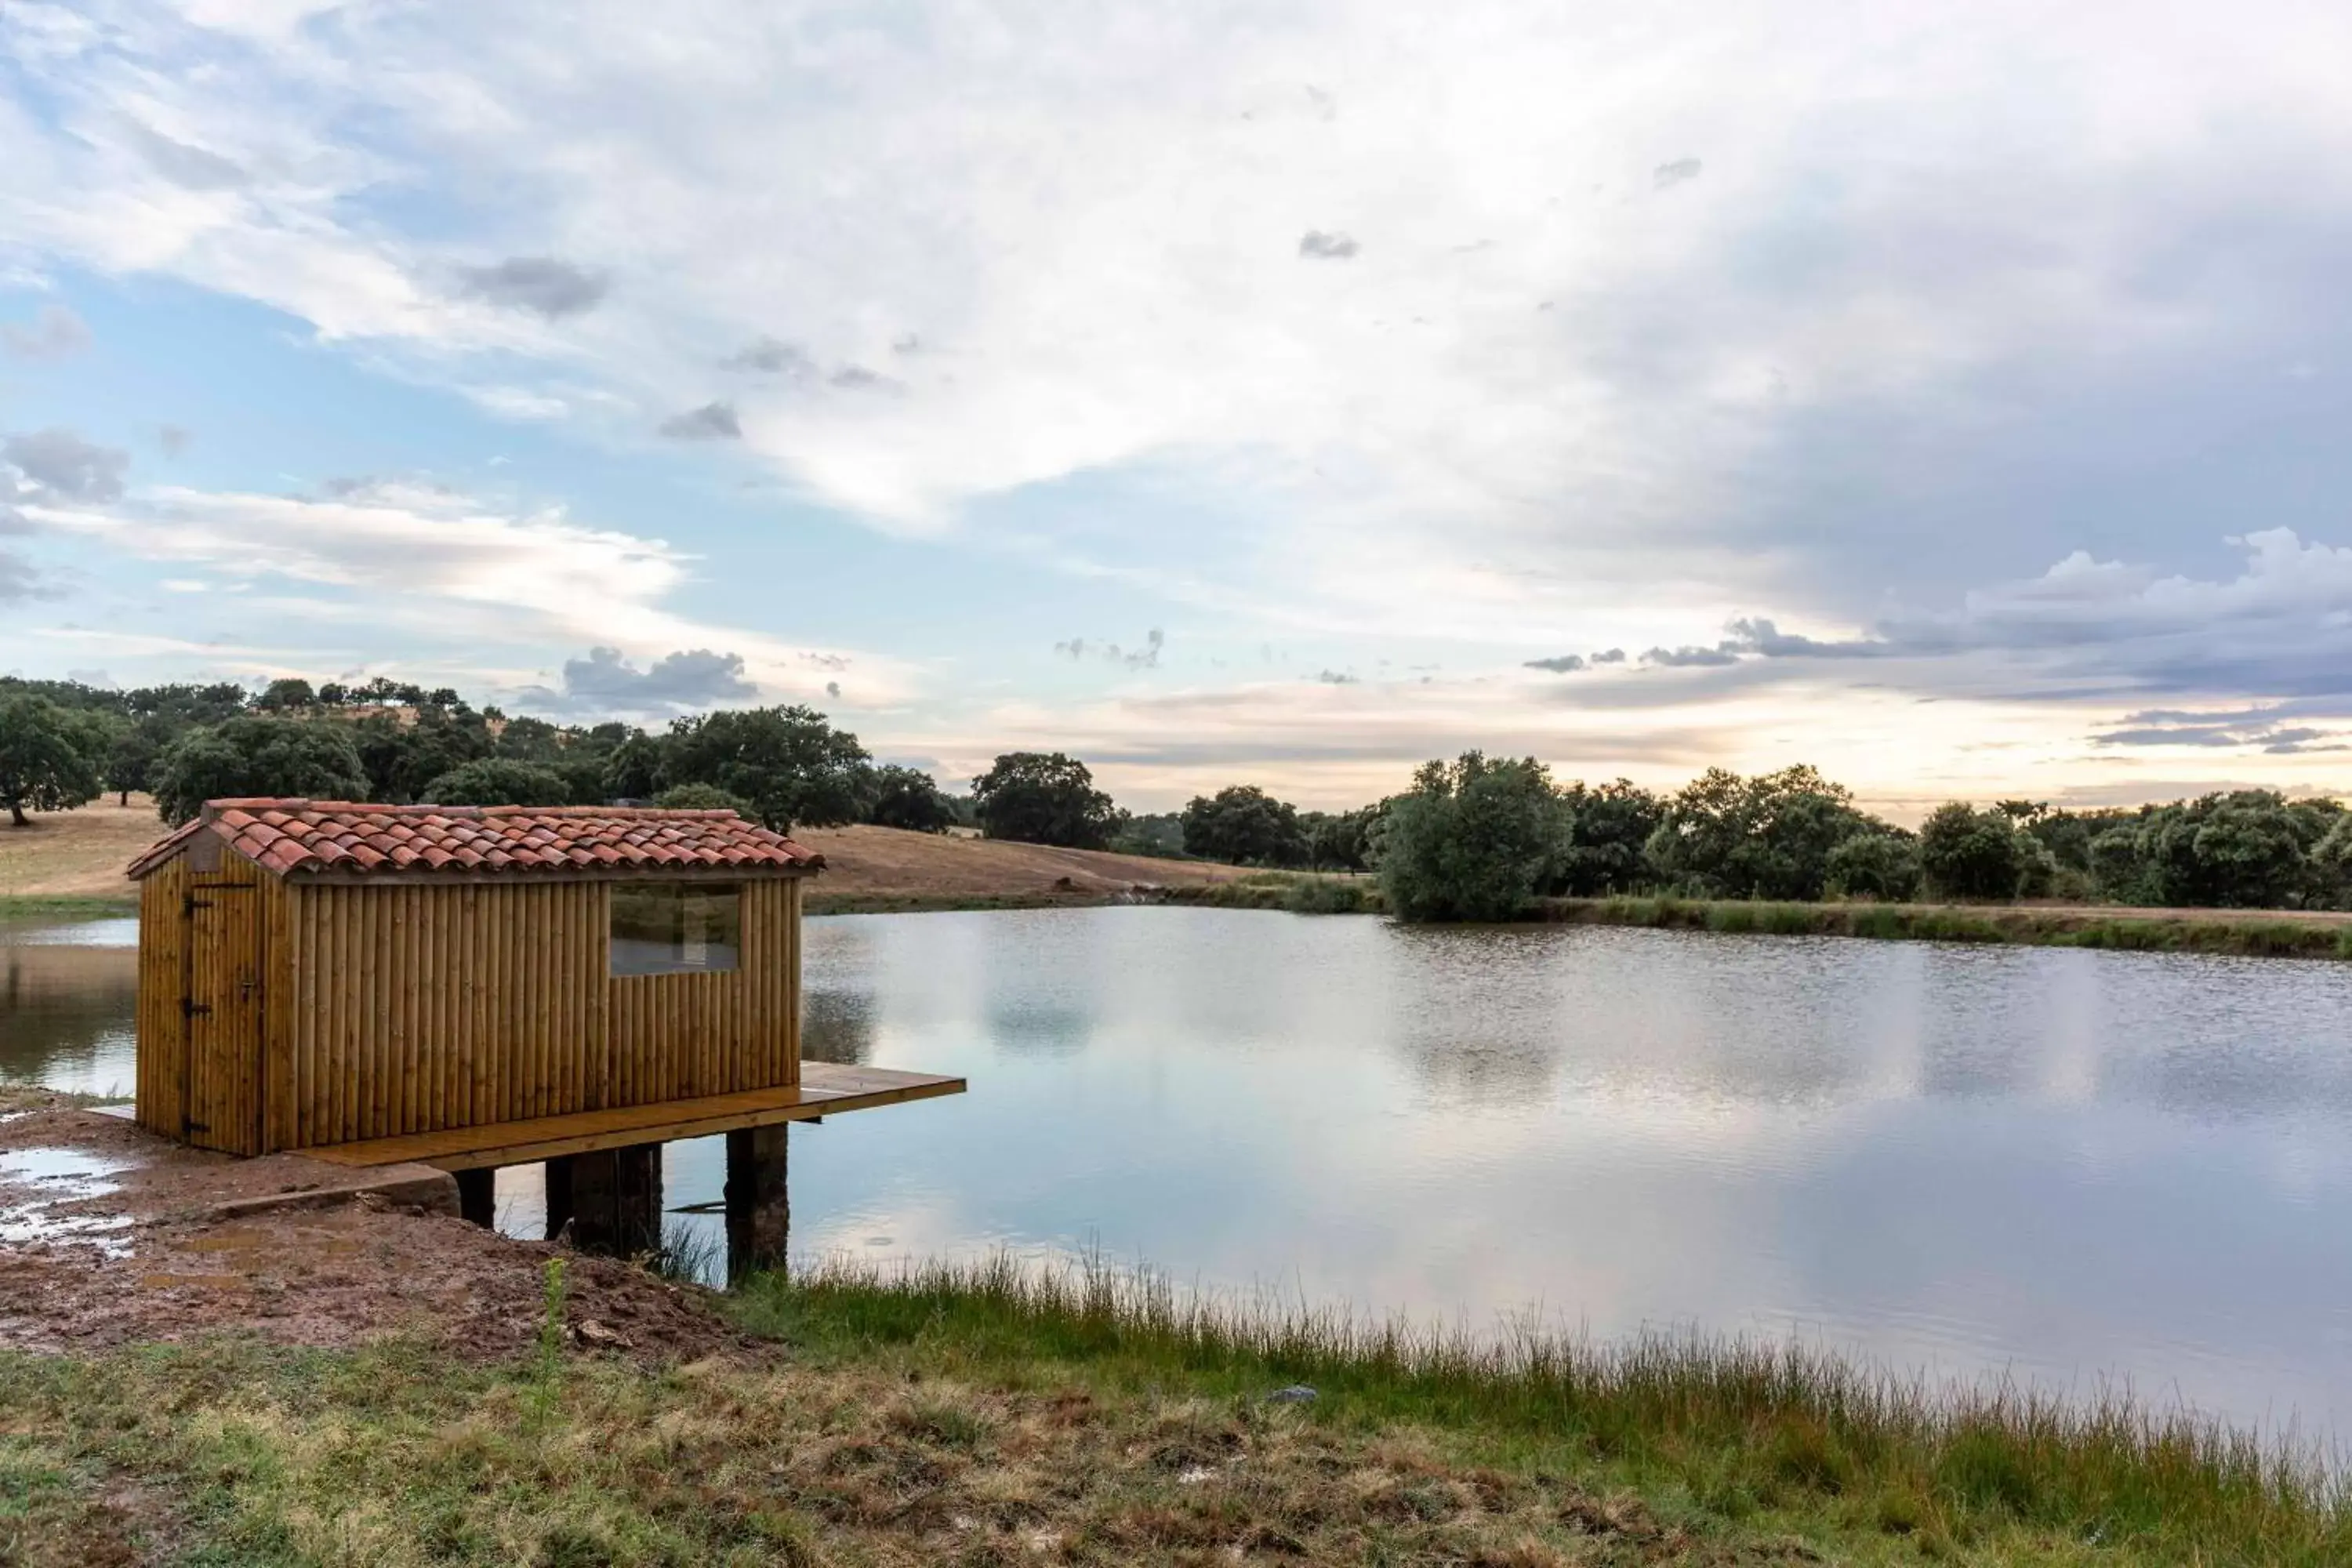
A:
1736	1424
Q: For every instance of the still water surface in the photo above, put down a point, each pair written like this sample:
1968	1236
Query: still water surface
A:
2058	1163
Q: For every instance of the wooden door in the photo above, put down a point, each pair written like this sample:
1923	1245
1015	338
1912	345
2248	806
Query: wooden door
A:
224	1005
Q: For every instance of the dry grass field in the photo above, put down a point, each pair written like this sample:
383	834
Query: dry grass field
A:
886	866
80	854
77	854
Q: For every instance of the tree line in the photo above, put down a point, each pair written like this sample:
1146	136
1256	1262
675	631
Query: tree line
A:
1482	839
63	743
1475	838
1479	838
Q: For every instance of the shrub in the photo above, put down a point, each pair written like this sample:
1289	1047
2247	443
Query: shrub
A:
1878	866
1324	896
789	763
1969	854
2116	869
1034	797
702	798
314	759
907	798
1608	826
498	781
1244	825
44	763
1770	837
1471	841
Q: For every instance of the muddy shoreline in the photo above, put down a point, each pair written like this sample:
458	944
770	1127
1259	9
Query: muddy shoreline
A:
115	1237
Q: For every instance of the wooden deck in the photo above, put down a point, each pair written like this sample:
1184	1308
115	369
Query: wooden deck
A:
826	1088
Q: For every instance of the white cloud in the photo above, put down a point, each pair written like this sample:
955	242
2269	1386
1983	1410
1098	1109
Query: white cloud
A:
1084	312
441	568
56	464
2282	625
689	680
1621	326
515	403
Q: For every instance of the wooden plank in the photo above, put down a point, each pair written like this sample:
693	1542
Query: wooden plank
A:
826	1089
224	1032
280	1004
596	982
163	983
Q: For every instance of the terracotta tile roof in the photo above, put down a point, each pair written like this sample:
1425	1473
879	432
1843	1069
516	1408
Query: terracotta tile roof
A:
304	837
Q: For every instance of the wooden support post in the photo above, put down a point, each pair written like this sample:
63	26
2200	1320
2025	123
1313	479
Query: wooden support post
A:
559	1196
612	1200
639	1198
759	1211
477	1196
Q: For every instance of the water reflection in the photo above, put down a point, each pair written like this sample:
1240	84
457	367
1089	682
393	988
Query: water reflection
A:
837	1026
66	1016
2062	1164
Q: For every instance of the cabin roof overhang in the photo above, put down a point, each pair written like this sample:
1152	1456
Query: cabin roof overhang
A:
350	842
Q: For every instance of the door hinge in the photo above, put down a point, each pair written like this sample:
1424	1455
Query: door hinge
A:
192	1008
190	1124
191	904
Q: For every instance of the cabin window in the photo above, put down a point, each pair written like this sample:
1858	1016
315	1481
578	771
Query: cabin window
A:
676	928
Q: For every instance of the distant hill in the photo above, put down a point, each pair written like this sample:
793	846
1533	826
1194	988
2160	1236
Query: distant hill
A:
80	854
886	867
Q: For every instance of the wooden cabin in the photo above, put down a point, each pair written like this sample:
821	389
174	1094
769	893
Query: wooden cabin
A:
471	987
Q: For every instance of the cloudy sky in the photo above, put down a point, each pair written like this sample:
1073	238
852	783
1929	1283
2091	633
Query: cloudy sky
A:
1955	397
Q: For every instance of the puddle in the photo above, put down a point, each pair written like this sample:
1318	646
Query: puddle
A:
37	1182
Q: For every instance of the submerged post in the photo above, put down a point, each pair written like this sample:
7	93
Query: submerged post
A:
612	1200
759	1211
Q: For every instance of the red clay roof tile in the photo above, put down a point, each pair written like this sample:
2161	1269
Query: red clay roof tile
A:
295	837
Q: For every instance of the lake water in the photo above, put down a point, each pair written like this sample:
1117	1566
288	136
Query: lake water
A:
2061	1164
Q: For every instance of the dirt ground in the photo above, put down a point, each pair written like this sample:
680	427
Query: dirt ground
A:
81	854
114	1236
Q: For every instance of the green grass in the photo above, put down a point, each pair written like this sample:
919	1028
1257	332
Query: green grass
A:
33	1097
1296	893
823	903
994	1413
2250	933
24	909
687	1255
1723	1436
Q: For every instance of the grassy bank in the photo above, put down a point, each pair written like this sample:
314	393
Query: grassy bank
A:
818	902
2244	932
989	1415
41	908
1298	892
2249	932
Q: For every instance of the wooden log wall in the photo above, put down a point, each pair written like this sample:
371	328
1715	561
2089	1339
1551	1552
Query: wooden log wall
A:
200	1078
163	1029
677	1036
410	1007
228	976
